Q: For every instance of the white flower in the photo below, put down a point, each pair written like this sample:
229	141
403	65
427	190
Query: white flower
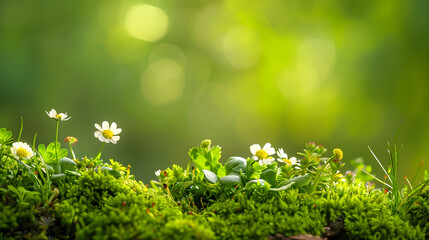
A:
266	161
284	158
59	116
107	134
263	155
158	172
21	150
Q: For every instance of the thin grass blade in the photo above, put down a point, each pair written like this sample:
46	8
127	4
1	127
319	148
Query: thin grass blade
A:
380	164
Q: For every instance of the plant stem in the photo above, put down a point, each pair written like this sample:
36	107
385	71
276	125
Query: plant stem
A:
97	156
71	150
56	140
384	183
316	180
20	129
99	152
34	142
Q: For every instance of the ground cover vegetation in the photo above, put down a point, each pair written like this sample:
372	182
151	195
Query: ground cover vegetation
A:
47	192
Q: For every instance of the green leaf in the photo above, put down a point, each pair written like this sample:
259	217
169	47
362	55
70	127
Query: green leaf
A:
58	176
49	155
269	175
185	185
234	165
283	187
230	180
54	166
417	190
257	167
67	164
108	170
13	189
299	181
210	176
208	159
72	173
51	147
254	183
42	151
62	153
5	136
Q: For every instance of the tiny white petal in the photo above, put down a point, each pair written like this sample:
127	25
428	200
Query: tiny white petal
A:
97	134
266	147
98	127
254	148
117	131
271	151
113	126
105	125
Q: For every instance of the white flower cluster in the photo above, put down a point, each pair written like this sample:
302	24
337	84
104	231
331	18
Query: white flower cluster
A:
264	155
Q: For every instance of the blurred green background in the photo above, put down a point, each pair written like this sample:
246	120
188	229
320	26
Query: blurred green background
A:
171	73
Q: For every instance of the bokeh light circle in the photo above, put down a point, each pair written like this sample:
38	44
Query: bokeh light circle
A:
146	22
163	82
241	47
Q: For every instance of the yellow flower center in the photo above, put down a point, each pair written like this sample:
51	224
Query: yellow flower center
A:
261	154
21	153
58	116
108	134
287	161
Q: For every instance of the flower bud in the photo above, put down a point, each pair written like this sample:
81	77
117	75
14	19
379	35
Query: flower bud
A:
71	140
206	143
311	146
338	153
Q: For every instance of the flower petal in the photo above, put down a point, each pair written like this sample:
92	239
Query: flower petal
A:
98	127
117	131
116	138
97	134
105	125
271	151
254	148
113	126
281	153
266	147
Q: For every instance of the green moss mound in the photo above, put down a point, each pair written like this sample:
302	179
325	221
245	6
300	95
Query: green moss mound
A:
253	198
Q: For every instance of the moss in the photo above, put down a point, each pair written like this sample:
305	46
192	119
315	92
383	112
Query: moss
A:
418	213
238	200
